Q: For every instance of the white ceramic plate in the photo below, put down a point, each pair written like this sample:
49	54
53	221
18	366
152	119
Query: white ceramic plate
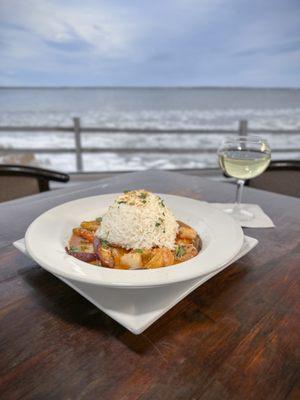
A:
48	235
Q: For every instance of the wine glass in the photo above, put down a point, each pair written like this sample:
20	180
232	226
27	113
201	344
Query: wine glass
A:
243	157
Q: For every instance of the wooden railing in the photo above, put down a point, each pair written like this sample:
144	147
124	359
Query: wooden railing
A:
78	149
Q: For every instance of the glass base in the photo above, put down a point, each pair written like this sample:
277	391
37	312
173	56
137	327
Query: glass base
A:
239	213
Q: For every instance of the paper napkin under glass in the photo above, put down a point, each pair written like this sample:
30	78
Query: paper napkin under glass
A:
260	219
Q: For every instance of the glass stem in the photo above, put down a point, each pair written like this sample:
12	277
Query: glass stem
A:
239	191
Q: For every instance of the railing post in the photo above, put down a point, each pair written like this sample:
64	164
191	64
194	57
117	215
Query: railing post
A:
78	148
243	127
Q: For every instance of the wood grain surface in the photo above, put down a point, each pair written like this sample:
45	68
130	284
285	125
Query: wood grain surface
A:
235	337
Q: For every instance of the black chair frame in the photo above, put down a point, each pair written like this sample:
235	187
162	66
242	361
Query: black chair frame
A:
43	176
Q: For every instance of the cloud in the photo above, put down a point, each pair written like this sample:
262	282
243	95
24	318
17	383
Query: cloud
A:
104	31
170	42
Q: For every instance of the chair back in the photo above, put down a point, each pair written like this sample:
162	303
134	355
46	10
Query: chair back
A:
19	181
282	176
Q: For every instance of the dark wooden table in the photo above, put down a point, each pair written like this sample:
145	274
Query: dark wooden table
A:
235	337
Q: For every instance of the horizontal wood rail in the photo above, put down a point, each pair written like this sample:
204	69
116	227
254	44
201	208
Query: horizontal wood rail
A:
143	131
165	150
77	130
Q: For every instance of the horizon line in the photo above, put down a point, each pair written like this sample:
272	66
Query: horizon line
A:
153	87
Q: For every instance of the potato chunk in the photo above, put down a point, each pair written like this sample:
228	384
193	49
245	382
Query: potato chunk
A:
132	260
156	260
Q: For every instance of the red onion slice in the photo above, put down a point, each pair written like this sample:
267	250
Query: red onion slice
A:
82	256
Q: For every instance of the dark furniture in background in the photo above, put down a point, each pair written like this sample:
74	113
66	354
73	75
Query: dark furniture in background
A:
282	176
234	338
19	180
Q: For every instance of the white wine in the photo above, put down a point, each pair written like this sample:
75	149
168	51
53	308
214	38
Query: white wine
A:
244	164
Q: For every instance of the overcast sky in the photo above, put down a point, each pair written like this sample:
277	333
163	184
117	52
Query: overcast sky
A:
150	43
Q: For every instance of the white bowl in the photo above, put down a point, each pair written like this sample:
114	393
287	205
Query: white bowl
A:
48	235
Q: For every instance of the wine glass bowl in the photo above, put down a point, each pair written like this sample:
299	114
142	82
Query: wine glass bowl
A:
243	158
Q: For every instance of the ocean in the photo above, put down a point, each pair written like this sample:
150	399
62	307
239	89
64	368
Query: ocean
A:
174	108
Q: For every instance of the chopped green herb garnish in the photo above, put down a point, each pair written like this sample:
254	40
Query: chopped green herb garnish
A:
162	203
144	201
180	251
104	243
127	191
99	219
121	202
143	195
159	222
74	249
138	250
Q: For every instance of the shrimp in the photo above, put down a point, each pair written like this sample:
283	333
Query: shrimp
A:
188	236
168	257
185	232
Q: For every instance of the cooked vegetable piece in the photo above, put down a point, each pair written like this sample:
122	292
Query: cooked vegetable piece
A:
105	255
156	260
96	243
90	225
84	233
83	256
117	253
86	246
132	260
179	251
74	249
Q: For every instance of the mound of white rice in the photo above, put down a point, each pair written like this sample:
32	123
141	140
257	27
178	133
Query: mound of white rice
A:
139	220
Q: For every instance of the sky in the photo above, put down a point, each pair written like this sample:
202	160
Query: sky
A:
252	43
